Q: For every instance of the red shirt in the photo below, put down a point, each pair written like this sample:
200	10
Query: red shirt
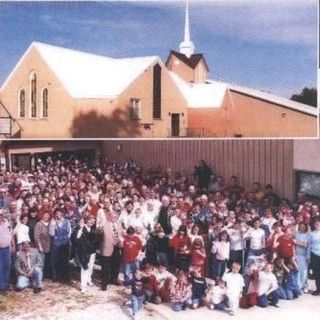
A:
176	240
198	258
131	248
286	247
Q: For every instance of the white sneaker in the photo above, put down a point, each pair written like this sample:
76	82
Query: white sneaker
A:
90	284
211	306
306	290
231	313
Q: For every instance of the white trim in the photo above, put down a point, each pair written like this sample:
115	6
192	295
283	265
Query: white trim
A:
17	66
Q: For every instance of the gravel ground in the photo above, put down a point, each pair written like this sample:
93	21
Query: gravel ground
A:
58	302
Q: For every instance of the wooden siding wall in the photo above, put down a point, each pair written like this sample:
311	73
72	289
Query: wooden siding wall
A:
266	161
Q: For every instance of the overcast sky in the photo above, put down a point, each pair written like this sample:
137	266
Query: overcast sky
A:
268	45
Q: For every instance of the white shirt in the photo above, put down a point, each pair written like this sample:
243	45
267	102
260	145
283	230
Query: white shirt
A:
135	221
267	283
175	223
150	218
124	218
257	238
237	241
22	233
235	283
216	294
268	222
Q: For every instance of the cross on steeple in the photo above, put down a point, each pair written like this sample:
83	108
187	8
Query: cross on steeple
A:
187	46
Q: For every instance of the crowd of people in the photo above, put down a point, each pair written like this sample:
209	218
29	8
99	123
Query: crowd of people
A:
190	241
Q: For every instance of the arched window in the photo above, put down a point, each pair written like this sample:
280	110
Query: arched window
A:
157	91
22	103
33	95
45	103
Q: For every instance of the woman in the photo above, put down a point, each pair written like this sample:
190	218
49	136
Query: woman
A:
85	250
301	247
42	240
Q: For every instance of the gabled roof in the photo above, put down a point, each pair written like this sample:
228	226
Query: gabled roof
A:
212	94
86	75
192	62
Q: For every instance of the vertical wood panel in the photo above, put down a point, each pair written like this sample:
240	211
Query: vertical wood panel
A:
274	171
268	160
265	161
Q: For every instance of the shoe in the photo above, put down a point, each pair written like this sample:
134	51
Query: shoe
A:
104	287
90	284
36	290
211	306
231	313
3	292
275	305
306	290
316	293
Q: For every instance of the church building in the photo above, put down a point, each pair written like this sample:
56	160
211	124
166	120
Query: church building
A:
56	92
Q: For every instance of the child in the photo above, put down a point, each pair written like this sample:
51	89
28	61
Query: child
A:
267	287
279	271
221	250
138	296
199	287
183	258
290	283
234	286
216	296
181	292
132	246
198	255
151	287
164	283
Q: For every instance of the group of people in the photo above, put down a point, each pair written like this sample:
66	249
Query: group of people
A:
189	241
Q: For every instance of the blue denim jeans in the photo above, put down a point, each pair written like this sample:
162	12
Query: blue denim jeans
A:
128	269
302	272
35	279
264	301
218	268
5	267
281	292
221	306
136	303
178	306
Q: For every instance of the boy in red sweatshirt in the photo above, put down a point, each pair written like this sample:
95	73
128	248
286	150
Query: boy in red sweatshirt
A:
132	246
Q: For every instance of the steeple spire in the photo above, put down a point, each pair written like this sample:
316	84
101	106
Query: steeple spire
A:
187	46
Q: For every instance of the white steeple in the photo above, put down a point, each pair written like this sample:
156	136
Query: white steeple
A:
187	46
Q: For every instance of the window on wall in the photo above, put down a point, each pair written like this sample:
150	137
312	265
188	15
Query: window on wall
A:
157	91
134	109
308	183
45	103
22	103
33	95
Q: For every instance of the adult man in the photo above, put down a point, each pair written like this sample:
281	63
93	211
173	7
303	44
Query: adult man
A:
110	248
164	215
5	256
29	265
